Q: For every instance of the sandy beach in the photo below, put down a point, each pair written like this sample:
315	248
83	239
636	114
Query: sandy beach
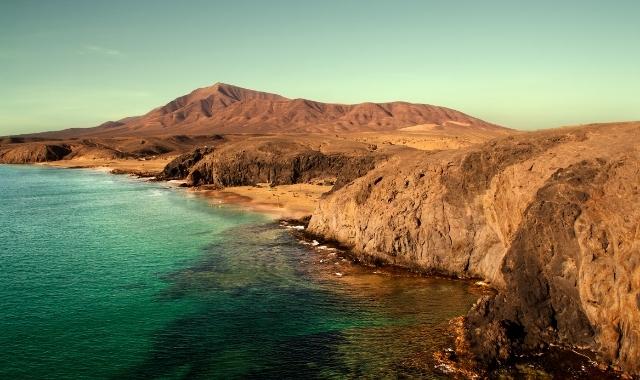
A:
149	167
285	201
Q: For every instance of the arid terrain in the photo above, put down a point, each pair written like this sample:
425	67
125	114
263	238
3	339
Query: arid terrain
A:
223	108
550	218
242	121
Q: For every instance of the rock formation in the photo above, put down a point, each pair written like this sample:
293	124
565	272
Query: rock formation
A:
179	167
34	152
24	150
551	218
276	161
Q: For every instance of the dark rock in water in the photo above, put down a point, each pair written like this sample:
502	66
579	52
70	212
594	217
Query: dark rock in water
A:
550	219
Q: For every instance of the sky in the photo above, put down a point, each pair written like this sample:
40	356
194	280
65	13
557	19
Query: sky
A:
522	64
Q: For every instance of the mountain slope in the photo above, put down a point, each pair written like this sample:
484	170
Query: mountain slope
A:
224	108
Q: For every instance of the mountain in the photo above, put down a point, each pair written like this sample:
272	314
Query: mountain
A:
224	108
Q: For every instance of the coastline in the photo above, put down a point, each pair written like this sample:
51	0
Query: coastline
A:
274	202
140	168
279	202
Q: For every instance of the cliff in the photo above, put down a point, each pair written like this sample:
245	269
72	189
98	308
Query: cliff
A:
551	219
101	150
34	152
275	160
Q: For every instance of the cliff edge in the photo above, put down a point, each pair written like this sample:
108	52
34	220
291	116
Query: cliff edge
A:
551	219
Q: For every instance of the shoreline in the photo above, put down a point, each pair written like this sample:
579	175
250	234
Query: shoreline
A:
292	219
140	168
279	202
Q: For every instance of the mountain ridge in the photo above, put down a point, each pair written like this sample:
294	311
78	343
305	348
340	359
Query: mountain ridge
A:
226	108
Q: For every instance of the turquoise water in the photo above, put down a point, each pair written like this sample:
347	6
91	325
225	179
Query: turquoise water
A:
105	276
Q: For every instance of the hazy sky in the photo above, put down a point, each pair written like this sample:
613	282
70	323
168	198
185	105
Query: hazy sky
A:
524	64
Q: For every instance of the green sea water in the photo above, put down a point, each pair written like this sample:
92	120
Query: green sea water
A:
106	276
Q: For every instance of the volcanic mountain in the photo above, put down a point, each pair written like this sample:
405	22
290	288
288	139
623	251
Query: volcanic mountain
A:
223	108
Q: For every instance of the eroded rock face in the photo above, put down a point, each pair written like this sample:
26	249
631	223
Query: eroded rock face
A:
428	210
179	167
551	219
251	167
34	152
25	150
273	161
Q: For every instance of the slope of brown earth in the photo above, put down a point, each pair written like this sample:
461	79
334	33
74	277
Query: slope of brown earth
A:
223	108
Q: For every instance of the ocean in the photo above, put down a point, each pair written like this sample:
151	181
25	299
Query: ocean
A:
105	276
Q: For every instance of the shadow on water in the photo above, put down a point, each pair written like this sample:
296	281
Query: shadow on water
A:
198	347
264	311
81	297
256	315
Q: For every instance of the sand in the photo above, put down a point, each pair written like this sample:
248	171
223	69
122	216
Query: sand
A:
281	202
133	166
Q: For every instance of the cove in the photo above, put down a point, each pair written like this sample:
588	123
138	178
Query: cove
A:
106	276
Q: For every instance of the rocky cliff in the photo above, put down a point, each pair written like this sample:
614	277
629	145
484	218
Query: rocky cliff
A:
551	219
34	152
274	160
21	150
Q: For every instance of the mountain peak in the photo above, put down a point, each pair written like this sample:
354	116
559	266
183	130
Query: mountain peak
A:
235	93
225	85
227	108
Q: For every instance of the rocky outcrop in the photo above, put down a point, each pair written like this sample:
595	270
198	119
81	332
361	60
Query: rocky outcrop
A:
33	152
572	271
273	161
551	219
425	210
24	150
179	167
251	167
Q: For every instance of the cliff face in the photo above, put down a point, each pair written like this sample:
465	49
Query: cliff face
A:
572	271
34	152
435	210
15	150
552	219
179	167
272	160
